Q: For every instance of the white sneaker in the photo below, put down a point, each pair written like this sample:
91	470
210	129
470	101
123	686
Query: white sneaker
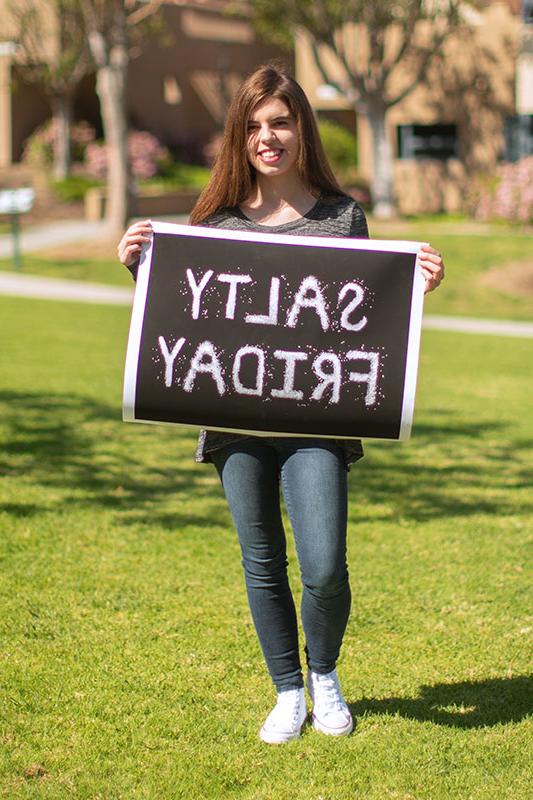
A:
331	715
286	719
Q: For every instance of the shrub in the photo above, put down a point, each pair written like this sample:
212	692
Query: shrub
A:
146	153
507	195
39	147
178	175
341	148
73	188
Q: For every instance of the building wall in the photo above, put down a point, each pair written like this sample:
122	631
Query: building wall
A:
179	83
5	109
30	108
524	74
474	90
23	106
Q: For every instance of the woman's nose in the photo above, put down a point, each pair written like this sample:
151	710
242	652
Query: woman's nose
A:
267	134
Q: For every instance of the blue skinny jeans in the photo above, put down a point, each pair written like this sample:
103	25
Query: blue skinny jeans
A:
313	479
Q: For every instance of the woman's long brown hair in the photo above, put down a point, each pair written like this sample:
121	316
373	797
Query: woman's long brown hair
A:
233	176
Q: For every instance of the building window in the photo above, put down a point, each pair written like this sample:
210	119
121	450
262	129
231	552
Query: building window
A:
427	141
518	132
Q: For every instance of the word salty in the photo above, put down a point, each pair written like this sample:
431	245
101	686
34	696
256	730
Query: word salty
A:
308	295
329	371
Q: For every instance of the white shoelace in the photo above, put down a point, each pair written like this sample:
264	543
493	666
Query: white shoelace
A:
288	699
288	704
327	694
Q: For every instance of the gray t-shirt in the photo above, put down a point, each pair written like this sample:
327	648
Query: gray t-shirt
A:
338	216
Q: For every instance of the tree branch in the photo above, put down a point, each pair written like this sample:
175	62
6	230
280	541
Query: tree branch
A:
409	29
140	14
426	56
323	72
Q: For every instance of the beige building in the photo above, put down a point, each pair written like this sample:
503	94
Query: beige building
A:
179	83
474	111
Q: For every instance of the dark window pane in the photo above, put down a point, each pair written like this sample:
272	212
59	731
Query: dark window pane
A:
427	141
518	133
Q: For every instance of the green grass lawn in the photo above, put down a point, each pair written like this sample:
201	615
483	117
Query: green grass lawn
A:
95	270
468	258
130	668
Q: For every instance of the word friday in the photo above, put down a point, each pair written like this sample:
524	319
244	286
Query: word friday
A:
327	367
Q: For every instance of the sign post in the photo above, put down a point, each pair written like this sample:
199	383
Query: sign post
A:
14	202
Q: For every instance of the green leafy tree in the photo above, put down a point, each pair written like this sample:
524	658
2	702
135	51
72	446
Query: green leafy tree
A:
55	57
382	51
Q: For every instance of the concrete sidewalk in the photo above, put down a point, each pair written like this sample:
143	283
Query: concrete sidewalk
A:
64	232
17	285
53	234
494	327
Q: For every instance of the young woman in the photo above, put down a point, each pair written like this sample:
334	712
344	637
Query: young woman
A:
272	175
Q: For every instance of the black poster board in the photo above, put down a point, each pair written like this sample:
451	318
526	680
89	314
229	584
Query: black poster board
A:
273	334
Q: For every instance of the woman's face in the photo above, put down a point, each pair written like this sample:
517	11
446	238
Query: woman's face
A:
272	138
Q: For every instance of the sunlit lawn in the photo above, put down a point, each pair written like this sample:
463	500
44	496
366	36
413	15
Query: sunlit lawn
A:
130	668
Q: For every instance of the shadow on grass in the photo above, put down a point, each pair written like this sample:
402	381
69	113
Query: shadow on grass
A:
466	473
471	704
21	510
80	451
79	447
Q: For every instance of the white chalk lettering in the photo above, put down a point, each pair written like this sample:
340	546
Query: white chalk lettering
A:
352	305
289	392
197	289
316	300
205	360
272	317
370	377
233	281
332	378
248	350
170	357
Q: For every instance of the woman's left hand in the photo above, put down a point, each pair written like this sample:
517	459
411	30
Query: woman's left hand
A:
432	265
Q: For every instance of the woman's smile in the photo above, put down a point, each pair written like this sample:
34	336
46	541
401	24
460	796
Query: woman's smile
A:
270	156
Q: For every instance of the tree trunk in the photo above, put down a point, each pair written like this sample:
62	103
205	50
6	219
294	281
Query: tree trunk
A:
62	114
112	65
382	187
110	89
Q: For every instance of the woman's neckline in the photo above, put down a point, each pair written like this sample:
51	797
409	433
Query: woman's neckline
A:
238	212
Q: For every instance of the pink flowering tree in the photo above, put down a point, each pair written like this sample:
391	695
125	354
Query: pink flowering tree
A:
39	148
145	153
507	195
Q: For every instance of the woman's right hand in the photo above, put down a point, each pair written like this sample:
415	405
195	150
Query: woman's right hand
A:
129	247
